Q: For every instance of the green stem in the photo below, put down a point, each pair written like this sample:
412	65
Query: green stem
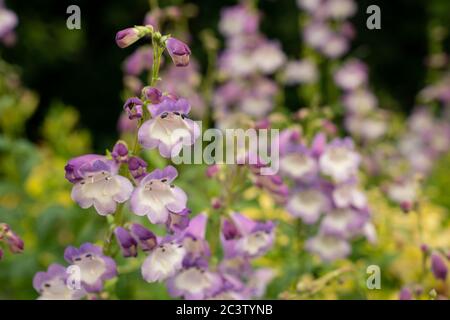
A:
117	222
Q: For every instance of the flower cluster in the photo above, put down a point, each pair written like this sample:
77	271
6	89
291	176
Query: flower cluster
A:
248	56
325	190
363	119
325	25
13	241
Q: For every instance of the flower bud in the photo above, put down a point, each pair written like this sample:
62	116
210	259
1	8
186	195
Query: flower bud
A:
152	94
147	239
127	37
133	107
120	152
438	267
137	167
178	51
216	203
15	243
126	242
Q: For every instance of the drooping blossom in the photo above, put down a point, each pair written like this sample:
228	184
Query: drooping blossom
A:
97	183
95	267
178	51
156	197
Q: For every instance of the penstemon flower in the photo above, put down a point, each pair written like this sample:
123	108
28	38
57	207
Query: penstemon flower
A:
163	261
96	183
156	196
169	129
94	266
194	283
243	236
54	285
339	160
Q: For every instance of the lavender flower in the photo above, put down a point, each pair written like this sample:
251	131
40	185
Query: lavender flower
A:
94	266
339	160
243	236
194	283
300	72
329	248
120	152
153	95
169	129
178	51
351	75
238	20
133	107
137	168
53	285
96	183
308	204
156	197
164	261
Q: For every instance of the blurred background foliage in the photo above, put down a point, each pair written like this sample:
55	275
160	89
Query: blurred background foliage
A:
79	80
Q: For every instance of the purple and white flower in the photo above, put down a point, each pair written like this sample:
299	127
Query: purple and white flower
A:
351	75
170	129
349	195
245	237
96	183
339	160
342	223
300	72
156	197
329	248
53	285
308	204
164	261
194	283
94	266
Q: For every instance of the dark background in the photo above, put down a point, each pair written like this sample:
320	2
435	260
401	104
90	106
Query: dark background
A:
83	67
